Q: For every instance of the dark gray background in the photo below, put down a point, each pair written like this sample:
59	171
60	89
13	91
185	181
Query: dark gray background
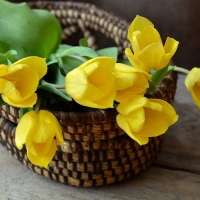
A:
175	18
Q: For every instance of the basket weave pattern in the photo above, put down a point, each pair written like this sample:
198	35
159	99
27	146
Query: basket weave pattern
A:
96	151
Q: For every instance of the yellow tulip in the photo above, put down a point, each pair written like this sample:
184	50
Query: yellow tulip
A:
130	81
192	82
149	52
38	132
138	24
142	118
92	84
19	81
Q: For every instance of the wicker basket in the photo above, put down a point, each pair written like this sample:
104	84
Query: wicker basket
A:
96	151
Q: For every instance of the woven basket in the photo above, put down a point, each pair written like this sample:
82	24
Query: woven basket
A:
96	151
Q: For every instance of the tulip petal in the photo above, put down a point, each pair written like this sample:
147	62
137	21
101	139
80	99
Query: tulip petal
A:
52	120
123	124
23	104
151	35
15	71
44	160
40	149
76	83
25	129
155	124
167	111
138	24
36	63
103	103
196	95
107	63
12	72
125	76
171	46
192	78
141	84
132	104
140	139
89	67
102	83
137	42
134	61
150	56
192	83
3	70
5	86
138	88
44	131
27	83
107	100
159	115
134	121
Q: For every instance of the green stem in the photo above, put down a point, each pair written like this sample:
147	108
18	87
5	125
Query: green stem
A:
37	105
115	105
78	58
182	70
59	86
72	56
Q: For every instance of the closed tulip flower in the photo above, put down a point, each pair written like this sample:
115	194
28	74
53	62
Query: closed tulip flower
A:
92	84
142	118
38	132
192	83
130	81
149	52
19	81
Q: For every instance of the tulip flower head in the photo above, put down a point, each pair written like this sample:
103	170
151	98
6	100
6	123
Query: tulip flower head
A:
19	81
130	81
192	83
149	52
142	118
92	84
38	132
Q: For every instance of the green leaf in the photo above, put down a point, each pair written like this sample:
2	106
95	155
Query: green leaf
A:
29	32
158	76
3	47
80	51
83	42
54	82
109	52
52	62
8	58
10	55
170	69
70	63
52	89
63	47
2	102
152	87
54	75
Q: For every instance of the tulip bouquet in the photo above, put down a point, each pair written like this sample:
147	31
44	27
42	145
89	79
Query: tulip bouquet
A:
38	74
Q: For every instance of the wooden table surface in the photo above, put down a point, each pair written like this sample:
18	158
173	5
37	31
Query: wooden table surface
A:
175	174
